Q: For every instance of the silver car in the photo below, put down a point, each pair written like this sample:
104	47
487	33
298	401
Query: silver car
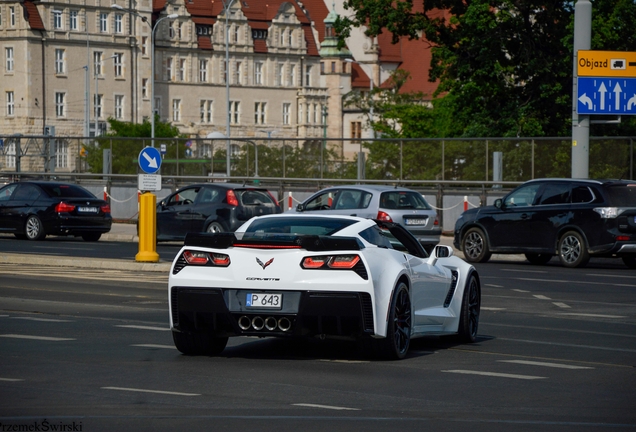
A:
385	203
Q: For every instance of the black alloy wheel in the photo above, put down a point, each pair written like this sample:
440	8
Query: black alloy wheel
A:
573	250
538	258
469	314
33	229
475	246
398	335
215	227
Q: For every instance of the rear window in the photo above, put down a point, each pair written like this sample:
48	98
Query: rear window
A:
402	200
622	195
66	191
296	226
254	197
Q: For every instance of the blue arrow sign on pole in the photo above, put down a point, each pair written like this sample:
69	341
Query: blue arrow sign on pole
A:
615	96
149	160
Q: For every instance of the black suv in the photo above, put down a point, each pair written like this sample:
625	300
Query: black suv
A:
211	207
574	219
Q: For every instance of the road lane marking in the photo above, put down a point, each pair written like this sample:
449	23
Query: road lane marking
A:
345	361
11	379
541	297
43	338
140	327
520	290
41	319
492	308
592	315
150	391
155	346
561	305
493	285
611	275
536	363
326	407
569	345
576	282
523	271
494	374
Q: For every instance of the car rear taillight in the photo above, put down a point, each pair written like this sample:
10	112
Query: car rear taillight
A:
205	258
622	238
231	198
384	217
64	207
436	223
314	262
105	208
326	262
344	261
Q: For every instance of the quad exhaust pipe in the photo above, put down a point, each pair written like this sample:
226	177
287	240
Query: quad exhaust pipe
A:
259	323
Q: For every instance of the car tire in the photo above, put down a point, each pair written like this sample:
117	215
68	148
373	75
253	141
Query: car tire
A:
92	237
538	258
398	333
573	250
33	228
469	314
475	246
198	343
630	261
215	227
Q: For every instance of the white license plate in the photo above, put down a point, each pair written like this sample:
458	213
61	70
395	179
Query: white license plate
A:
415	221
87	209
262	300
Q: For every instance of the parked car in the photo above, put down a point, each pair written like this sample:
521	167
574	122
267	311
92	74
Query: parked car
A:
573	219
386	203
211	207
297	275
34	209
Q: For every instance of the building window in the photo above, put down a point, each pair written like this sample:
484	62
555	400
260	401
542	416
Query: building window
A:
119	64
103	22
286	113
57	20
60	101
169	69
315	113
308	76
97	63
182	69
300	113
260	108
356	130
333	67
171	31
236	33
307	120
322	67
74	20
176	110
97	101
61	154
239	73
179	30
290	37
119	28
259	34
12	16
158	106
9	159
282	37
59	61
119	106
258	73
281	70
206	111
9	60
144	45
235	114
144	88
203	71
10	103
292	75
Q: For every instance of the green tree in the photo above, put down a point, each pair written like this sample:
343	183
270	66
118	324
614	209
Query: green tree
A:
125	139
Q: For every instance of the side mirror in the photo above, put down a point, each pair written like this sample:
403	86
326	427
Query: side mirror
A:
498	203
440	251
300	208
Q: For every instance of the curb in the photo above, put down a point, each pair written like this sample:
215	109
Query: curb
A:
86	263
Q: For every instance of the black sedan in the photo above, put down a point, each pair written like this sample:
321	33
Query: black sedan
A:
34	209
211	207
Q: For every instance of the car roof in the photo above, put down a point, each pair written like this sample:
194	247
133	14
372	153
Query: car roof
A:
225	186
371	188
581	180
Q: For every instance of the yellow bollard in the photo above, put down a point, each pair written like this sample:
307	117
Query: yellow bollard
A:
147	228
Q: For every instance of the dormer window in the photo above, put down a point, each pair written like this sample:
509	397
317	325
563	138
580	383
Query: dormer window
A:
203	30
259	34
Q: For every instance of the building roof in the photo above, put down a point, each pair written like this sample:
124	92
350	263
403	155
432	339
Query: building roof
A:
32	15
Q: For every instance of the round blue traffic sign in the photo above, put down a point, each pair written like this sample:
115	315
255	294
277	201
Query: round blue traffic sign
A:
149	160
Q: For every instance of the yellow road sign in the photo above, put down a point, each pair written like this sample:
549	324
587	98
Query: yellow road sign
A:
606	63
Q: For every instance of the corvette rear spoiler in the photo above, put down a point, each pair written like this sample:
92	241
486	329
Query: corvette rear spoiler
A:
311	243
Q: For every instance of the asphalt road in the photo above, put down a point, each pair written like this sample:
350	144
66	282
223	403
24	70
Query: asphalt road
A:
91	348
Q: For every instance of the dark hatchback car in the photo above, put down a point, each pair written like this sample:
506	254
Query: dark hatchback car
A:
211	207
573	219
32	210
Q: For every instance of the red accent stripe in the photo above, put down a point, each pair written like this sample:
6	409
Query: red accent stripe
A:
257	246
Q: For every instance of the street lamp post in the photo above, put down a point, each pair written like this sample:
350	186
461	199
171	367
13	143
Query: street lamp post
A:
226	10
152	64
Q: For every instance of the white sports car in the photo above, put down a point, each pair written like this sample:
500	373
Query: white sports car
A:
306	275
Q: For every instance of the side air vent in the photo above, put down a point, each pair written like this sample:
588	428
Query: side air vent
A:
179	265
361	270
451	291
174	301
367	311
